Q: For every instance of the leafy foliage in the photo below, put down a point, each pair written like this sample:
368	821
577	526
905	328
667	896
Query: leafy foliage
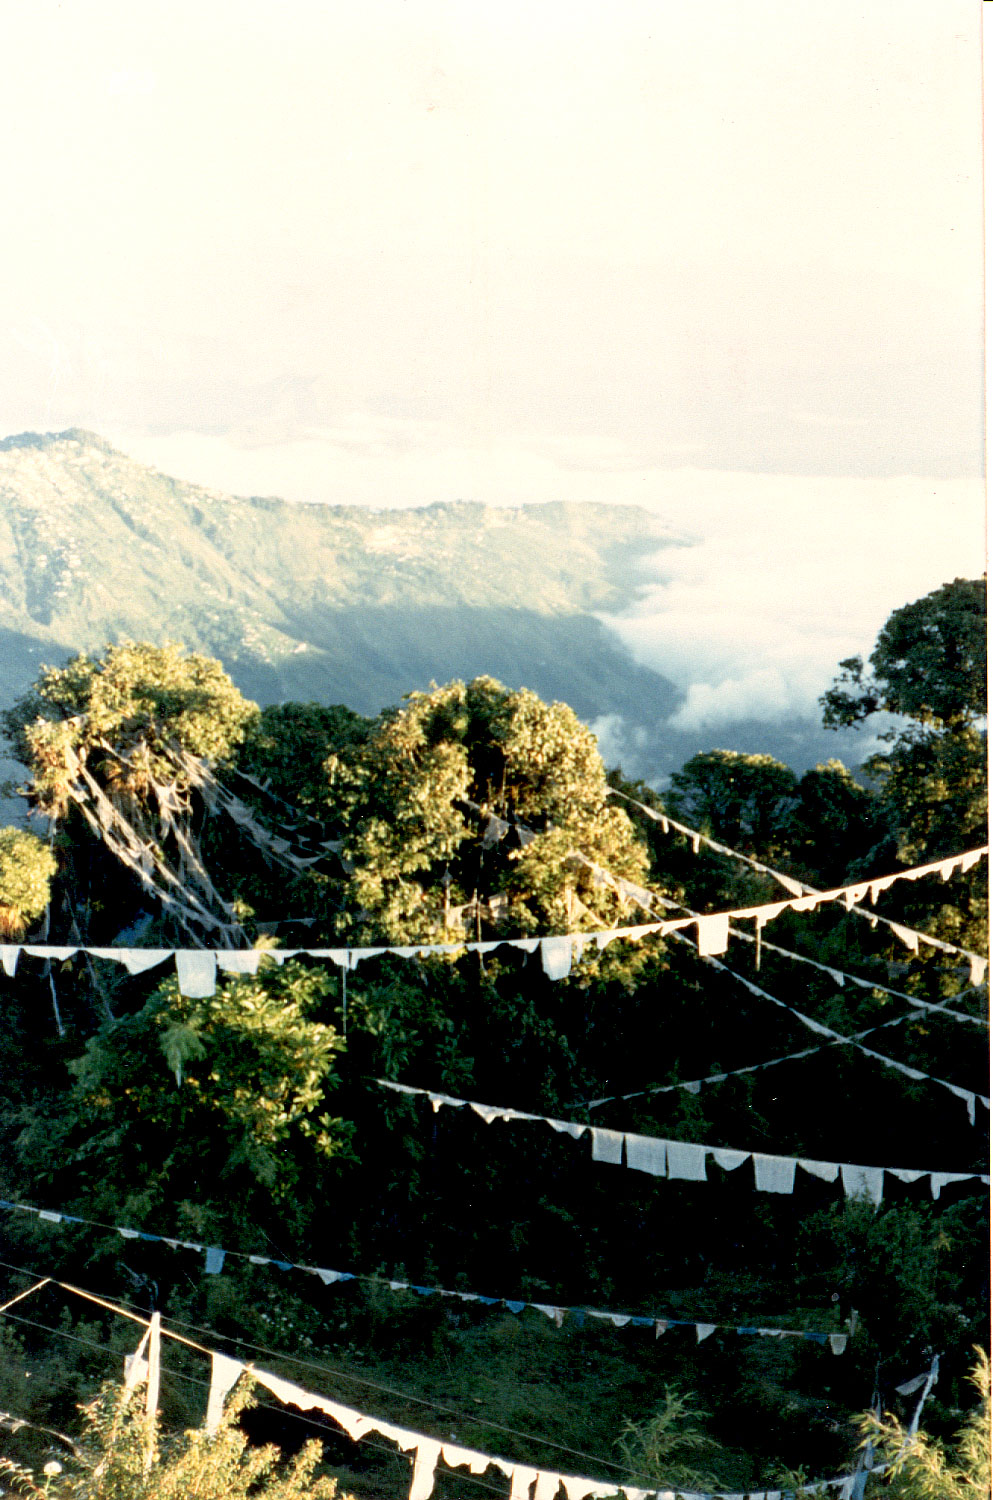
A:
742	800
919	1468
667	1447
929	663
113	1461
930	667
245	1120
225	1096
122	713
423	800
27	867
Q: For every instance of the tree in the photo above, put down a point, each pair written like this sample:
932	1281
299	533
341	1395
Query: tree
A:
742	800
479	809
835	823
112	1460
27	867
224	1099
919	1468
125	744
124	715
929	663
287	749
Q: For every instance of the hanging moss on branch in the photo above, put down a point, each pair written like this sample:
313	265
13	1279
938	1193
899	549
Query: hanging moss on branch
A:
123	713
123	743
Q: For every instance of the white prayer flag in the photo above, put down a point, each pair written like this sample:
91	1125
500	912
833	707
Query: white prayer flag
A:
827	1171
646	1153
608	1145
712	933
906	935
242	961
457	1457
136	1365
566	1127
862	1181
425	1459
521	1480
139	960
727	1158
773	1174
224	1373
196	970
556	956
687	1161
942	1179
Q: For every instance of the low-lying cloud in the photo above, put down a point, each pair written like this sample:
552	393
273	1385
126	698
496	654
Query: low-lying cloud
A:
786	577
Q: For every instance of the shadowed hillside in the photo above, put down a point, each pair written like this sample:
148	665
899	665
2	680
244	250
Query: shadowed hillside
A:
332	603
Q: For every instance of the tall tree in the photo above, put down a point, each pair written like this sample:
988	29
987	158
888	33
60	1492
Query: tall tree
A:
743	800
122	748
928	664
478	808
929	669
27	866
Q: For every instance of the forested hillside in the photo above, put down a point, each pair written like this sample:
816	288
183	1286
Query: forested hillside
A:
302	600
435	1069
343	604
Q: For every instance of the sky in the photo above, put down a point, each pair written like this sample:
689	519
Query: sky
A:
723	260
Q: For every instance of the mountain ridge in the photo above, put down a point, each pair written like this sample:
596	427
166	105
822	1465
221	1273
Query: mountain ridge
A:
338	603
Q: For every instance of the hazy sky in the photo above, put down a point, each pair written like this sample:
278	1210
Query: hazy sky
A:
413	250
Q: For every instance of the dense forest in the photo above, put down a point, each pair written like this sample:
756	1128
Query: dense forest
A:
230	928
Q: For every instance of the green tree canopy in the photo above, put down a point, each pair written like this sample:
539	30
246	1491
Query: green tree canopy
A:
224	1099
743	800
929	663
126	744
478	806
287	748
124	714
27	867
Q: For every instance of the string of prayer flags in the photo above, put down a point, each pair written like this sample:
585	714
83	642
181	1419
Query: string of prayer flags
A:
852	894
526	1481
215	1258
694	1085
686	1160
426	1451
196	968
841	977
969	1096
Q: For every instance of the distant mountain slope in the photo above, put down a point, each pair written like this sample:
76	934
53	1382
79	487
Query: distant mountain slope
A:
339	604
